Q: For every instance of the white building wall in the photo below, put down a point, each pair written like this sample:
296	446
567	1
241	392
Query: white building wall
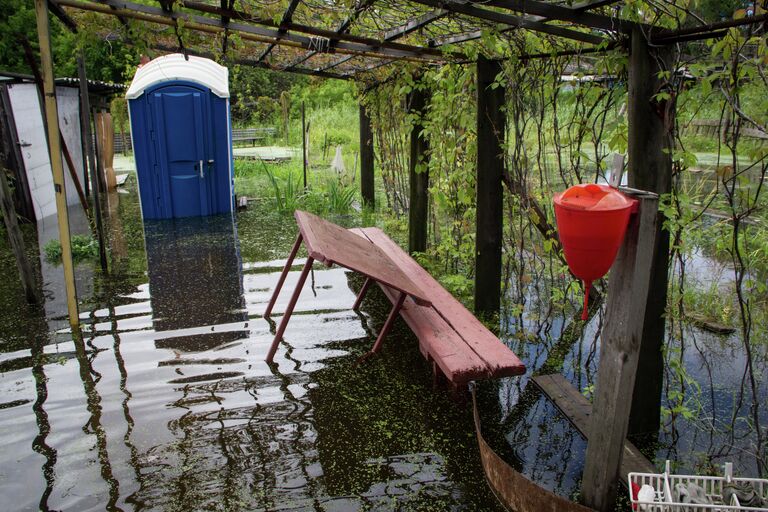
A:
34	145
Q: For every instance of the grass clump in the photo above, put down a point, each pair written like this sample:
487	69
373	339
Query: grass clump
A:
84	247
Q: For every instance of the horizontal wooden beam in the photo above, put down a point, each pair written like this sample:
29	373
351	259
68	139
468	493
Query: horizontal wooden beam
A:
63	16
594	4
470	10
565	53
255	63
558	12
287	18
414	24
282	28
342	30
706	31
249	32
399	31
461	38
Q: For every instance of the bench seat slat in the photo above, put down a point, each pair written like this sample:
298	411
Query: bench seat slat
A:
334	245
439	342
499	360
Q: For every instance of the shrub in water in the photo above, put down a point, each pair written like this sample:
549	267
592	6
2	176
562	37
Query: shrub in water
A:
83	247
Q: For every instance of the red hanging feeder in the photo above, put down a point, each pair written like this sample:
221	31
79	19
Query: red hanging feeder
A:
591	220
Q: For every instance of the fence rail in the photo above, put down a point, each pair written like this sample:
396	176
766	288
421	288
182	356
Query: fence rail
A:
239	135
714	128
252	134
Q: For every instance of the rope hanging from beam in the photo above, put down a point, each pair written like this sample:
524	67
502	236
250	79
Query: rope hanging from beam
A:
319	44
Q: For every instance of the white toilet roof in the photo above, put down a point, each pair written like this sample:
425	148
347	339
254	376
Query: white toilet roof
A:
175	67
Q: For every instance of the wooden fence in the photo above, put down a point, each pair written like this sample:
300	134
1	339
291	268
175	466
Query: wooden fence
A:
712	127
239	136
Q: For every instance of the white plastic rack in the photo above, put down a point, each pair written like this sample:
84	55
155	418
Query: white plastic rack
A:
713	486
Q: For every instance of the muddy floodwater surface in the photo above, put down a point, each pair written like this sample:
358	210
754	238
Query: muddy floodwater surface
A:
166	403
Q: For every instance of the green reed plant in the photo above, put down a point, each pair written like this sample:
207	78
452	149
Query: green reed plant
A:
287	193
340	197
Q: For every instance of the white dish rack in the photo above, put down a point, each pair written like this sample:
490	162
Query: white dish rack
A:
663	484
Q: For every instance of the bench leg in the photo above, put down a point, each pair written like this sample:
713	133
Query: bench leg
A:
286	269
289	309
388	324
361	295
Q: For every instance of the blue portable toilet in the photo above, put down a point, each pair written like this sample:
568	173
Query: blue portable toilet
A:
182	137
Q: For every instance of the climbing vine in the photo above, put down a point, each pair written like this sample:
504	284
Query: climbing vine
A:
566	124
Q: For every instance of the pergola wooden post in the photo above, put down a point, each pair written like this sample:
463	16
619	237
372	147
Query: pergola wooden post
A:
54	150
418	174
366	159
650	168
491	122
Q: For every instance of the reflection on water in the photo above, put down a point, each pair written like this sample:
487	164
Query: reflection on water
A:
195	280
706	408
165	402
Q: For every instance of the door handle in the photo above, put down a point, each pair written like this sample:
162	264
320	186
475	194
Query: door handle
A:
201	169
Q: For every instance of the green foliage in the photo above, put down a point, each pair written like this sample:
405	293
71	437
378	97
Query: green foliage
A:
119	110
386	108
84	247
339	196
286	191
248	85
318	94
107	57
285	113
265	109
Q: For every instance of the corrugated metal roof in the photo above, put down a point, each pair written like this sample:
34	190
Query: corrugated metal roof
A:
94	86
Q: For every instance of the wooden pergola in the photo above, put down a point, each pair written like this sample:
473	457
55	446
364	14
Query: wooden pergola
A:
364	39
326	40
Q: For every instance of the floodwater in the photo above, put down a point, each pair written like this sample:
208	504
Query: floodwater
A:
165	402
707	406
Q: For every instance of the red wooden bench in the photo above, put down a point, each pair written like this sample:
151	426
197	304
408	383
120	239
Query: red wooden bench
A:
450	337
457	344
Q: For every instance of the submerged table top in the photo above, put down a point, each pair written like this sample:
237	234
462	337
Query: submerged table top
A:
332	244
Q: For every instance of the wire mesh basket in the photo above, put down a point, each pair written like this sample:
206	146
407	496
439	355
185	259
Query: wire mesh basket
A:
692	493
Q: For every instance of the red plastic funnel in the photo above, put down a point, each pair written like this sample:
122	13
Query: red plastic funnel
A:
591	220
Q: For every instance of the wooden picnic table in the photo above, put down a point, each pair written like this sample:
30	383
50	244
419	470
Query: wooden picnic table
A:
333	245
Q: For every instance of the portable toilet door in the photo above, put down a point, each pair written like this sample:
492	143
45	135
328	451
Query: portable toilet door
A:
181	132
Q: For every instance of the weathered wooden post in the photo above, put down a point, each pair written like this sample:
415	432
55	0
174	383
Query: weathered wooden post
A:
366	159
54	150
650	168
101	181
14	160
619	353
16	240
89	158
491	122
418	174
10	159
108	146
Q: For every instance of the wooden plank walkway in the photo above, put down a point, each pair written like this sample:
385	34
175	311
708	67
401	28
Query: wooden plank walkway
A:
578	410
